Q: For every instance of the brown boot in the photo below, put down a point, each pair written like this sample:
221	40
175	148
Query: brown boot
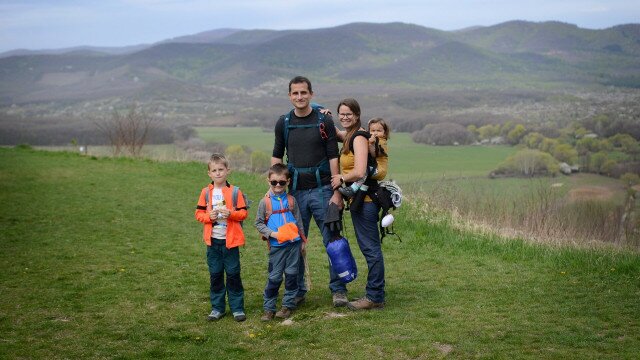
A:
267	316
340	299
364	304
284	313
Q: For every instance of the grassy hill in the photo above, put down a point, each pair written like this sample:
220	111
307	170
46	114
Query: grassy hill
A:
101	258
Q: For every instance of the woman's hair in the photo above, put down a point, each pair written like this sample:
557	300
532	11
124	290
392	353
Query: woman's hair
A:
353	105
382	123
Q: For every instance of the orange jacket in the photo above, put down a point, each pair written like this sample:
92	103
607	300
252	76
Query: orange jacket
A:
235	235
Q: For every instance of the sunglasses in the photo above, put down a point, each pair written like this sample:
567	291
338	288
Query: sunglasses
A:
281	182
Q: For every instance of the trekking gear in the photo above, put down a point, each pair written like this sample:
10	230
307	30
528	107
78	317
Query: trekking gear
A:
323	165
339	299
341	260
333	219
215	315
239	316
284	313
267	316
364	304
234	199
268	211
387	196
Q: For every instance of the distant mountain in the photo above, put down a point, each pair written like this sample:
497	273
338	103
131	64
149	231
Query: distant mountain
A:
215	64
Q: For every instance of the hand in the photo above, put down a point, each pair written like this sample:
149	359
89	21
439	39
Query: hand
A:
372	139
303	249
223	213
213	215
336	181
337	199
274	234
325	111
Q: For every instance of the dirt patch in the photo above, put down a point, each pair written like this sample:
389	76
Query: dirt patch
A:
445	349
636	187
590	193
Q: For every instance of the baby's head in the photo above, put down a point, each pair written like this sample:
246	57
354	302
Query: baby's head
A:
379	128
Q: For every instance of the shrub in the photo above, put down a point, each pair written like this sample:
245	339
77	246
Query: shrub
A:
443	134
528	162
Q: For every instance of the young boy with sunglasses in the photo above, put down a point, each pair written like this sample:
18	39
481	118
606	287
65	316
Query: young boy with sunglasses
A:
279	222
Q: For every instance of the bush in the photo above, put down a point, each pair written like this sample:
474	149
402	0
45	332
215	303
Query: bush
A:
528	162
443	134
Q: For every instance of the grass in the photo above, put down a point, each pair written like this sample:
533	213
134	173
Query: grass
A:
409	162
101	258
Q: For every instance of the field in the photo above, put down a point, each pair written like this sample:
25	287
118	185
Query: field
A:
101	258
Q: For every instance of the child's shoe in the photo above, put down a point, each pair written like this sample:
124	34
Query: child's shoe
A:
215	315
284	313
239	316
267	316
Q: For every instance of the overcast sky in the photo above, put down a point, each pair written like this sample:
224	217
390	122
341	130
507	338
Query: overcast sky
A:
52	24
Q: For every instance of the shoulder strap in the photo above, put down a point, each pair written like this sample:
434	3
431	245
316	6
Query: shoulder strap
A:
319	124
267	207
234	197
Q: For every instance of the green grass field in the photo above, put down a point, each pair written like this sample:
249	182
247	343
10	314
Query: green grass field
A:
409	162
102	258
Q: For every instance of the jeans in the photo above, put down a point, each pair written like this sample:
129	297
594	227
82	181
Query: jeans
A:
283	260
365	224
220	261
314	202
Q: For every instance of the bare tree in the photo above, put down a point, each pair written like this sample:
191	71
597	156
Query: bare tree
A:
127	132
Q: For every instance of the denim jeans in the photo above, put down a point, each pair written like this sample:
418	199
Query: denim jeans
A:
365	224
283	260
220	261
314	202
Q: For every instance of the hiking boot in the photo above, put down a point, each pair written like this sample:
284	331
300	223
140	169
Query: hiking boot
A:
267	316
215	315
284	313
239	316
298	300
364	304
340	299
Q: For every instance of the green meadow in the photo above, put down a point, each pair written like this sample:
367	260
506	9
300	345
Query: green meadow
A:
102	258
409	162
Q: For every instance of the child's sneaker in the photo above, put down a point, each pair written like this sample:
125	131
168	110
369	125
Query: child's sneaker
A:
239	316
284	313
267	316
215	315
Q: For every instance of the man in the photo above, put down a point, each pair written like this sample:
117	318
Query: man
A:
309	139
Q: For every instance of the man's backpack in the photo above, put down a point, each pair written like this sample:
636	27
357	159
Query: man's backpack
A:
234	200
323	166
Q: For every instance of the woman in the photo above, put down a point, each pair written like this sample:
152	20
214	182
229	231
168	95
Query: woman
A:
353	166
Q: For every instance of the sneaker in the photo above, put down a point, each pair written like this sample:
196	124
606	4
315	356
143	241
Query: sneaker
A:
364	304
298	300
215	315
340	299
267	316
239	316
284	313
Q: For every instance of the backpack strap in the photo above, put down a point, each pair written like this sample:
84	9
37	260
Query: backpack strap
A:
322	165
268	211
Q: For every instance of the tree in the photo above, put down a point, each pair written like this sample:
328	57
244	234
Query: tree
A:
597	160
630	179
260	161
565	153
529	162
443	134
532	140
128	132
514	136
486	132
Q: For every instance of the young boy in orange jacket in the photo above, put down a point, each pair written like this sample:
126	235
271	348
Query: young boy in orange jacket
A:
223	236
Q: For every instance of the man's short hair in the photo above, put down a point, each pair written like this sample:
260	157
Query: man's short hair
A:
300	80
218	159
279	169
